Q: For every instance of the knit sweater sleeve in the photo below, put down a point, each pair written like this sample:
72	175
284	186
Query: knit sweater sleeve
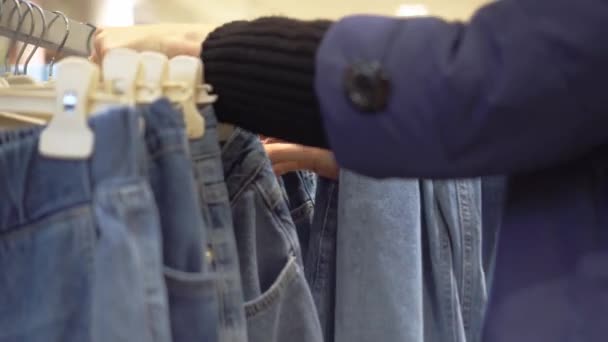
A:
263	72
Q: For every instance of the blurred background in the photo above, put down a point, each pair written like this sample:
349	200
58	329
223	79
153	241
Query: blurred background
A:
130	12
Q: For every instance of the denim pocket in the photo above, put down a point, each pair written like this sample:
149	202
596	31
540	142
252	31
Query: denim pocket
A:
285	311
193	305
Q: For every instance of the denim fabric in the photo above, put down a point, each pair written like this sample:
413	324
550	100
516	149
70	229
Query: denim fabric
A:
80	245
190	286
379	281
279	304
209	175
320	261
493	195
454	278
299	189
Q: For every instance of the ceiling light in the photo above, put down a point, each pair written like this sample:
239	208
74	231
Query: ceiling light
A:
412	10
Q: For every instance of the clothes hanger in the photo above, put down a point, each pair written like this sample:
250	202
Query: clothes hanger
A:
17	78
40	38
13	39
68	135
59	50
155	70
184	79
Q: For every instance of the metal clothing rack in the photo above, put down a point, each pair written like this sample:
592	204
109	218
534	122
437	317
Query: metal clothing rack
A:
51	29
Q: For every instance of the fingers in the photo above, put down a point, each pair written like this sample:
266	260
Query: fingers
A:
282	152
286	157
286	167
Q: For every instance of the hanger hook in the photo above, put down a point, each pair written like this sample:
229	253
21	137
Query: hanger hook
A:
17	8
39	41
30	35
65	38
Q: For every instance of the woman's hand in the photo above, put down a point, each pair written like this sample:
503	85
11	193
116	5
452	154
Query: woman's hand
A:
288	157
168	39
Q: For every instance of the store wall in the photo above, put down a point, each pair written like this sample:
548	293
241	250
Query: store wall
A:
219	11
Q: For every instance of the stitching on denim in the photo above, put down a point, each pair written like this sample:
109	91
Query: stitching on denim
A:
464	203
269	297
243	187
317	268
302	211
293	244
70	213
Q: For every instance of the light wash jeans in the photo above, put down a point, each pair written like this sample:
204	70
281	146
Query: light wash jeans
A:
80	247
410	258
379	265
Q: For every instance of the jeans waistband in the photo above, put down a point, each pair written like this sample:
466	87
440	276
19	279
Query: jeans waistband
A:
33	186
165	129
206	146
245	162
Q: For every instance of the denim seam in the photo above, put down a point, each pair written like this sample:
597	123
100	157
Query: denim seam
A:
323	231
447	273
245	184
293	244
268	298
464	201
302	211
61	214
173	148
205	157
276	217
305	185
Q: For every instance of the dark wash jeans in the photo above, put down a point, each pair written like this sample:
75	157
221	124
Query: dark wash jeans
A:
80	249
279	305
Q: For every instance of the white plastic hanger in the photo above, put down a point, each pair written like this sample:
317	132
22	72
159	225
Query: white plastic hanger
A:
121	69
185	76
155	69
68	135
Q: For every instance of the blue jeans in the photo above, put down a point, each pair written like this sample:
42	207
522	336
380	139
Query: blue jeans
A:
209	175
454	277
320	261
279	304
379	281
191	286
493	195
313	203
80	249
299	190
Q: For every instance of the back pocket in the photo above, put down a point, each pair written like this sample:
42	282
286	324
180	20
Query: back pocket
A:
284	312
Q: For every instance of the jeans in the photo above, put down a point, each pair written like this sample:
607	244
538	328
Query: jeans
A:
221	249
80	249
279	304
379	281
299	190
493	191
454	279
191	287
313	203
320	261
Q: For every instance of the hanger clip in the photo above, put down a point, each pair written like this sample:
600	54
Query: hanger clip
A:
68	135
185	73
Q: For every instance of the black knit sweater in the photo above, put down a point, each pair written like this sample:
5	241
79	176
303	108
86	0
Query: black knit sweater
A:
263	72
